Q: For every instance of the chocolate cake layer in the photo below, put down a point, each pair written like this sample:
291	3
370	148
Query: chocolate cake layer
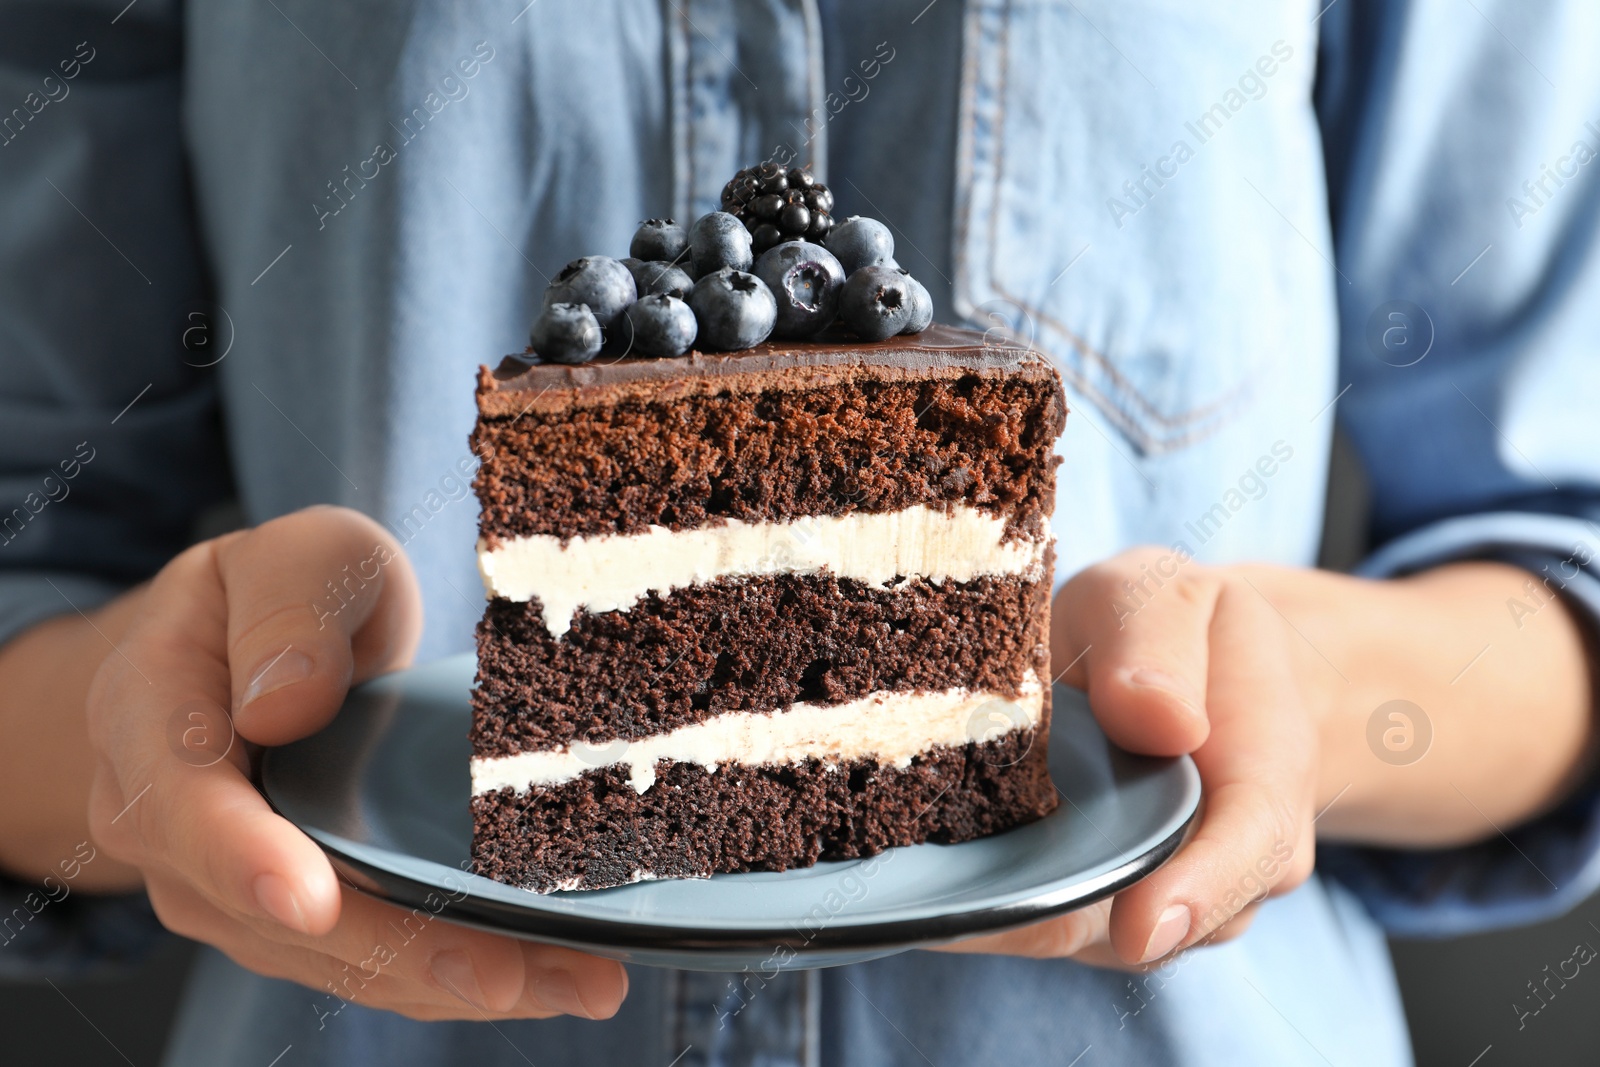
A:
747	644
985	440
752	686
597	831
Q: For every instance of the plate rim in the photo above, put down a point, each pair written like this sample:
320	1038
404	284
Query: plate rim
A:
528	921
617	934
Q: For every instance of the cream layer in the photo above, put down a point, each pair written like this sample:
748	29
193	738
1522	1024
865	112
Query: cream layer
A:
889	727
612	572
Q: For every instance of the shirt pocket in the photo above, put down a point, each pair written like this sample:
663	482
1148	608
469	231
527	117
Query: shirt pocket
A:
1139	193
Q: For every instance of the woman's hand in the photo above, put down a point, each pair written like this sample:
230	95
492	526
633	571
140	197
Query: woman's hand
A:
1270	676
274	625
1202	666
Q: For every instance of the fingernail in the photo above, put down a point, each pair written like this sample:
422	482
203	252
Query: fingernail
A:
1147	678
274	897
558	990
285	668
452	970
1170	930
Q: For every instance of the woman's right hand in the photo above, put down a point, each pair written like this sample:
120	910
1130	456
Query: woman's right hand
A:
271	626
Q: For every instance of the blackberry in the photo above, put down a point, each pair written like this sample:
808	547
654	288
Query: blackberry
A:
778	205
765	235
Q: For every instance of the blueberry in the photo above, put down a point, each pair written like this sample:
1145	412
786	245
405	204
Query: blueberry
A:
735	310
603	283
659	240
566	333
652	277
719	240
660	325
921	306
805	279
860	242
876	303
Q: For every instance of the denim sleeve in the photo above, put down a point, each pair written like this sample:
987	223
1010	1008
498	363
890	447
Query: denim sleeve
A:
1532	872
110	442
50	930
1461	151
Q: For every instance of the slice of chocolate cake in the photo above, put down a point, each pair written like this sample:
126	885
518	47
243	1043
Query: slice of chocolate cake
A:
752	610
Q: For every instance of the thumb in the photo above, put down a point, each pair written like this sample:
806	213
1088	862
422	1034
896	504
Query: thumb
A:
317	600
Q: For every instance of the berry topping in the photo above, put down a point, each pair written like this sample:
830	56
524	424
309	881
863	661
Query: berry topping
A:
601	282
660	325
773	262
921	305
805	280
650	278
764	236
566	333
735	309
794	219
718	241
772	177
861	242
778	204
659	240
876	303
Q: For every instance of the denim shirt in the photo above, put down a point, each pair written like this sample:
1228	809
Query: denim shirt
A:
258	248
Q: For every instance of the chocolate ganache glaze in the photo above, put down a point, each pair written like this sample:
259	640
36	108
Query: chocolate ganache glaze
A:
517	387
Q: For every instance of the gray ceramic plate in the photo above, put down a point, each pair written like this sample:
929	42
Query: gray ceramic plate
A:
384	790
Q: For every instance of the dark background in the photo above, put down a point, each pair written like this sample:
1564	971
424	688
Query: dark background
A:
1461	996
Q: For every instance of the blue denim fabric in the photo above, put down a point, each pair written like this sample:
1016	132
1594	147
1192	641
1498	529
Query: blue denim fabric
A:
1209	217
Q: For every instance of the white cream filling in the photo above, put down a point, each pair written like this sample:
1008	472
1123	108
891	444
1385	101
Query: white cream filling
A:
612	572
888	727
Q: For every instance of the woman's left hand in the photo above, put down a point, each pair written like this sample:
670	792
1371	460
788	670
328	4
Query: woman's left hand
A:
1202	667
1269	677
